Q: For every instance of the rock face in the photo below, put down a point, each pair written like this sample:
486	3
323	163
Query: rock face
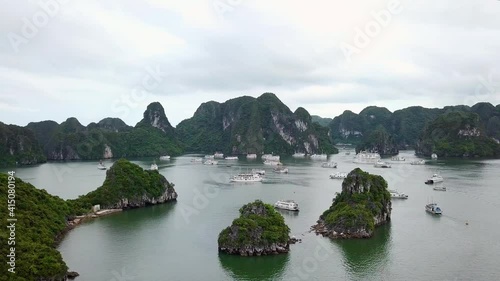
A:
379	141
253	125
259	230
363	204
154	116
129	186
459	134
19	145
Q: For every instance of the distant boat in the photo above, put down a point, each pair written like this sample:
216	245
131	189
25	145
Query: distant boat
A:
246	178
287	205
434	179
280	170
434	156
338	176
231	158
433	208
381	164
270	157
208	156
252	156
439	188
259	171
219	155
319	156
101	166
418	162
165	157
299	154
211	162
272	163
398	158
348	153
330	164
364	157
197	160
395	194
154	167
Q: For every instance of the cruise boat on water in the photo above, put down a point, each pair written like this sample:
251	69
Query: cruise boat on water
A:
364	157
252	156
299	154
338	175
434	156
165	157
381	164
270	157
398	158
272	163
231	158
211	162
287	205
319	156
101	166
439	188
330	164
396	195
259	172
280	170
208	156
219	155
154	167
246	178
433	208
434	179
197	160
418	162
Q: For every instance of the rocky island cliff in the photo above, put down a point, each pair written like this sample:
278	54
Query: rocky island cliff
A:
260	230
363	204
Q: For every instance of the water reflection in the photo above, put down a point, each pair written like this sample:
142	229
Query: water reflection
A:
365	257
287	213
254	268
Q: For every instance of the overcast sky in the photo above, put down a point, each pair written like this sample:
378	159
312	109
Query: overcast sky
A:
95	59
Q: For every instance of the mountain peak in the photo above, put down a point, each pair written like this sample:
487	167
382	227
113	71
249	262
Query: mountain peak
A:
155	116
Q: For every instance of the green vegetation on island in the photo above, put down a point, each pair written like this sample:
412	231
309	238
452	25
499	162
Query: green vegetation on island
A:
363	204
260	230
19	145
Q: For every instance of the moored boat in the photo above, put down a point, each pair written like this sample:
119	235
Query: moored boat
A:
165	157
398	158
287	205
272	163
197	160
280	170
270	157
381	164
433	208
231	158
339	175
364	157
397	195
154	167
208	156
259	171
299	154
434	156
319	156
219	155
439	188
251	156
101	166
211	162
246	178
330	164
418	162
434	179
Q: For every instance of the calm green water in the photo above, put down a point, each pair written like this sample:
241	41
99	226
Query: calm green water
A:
178	241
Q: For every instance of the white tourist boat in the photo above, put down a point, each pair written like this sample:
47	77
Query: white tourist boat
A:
246	178
101	166
197	160
330	164
208	156
231	158
381	164
396	195
439	188
289	205
259	171
319	156
270	157
272	163
251	156
339	175
281	170
219	155
211	162
434	179
398	158
348	153
299	154
154	167
165	157
434	156
433	208
364	157
418	162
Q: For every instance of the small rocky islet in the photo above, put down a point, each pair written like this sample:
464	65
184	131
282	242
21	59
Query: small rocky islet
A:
259	230
363	204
